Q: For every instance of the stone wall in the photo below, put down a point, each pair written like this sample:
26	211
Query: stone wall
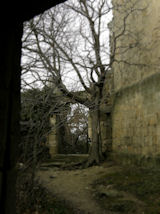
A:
136	118
138	46
52	137
58	136
136	109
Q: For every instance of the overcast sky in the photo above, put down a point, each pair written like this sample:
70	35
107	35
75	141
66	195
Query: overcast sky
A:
69	76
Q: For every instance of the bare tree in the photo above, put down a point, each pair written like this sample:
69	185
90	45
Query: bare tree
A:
77	124
37	106
68	47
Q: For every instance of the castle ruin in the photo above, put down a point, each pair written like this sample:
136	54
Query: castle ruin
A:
136	79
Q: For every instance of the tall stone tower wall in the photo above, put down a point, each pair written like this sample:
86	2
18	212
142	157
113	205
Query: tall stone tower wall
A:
136	109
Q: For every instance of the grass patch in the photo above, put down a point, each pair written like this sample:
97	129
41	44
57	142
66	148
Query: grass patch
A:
122	206
52	205
142	183
68	158
33	198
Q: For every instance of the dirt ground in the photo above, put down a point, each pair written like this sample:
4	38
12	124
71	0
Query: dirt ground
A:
103	189
75	186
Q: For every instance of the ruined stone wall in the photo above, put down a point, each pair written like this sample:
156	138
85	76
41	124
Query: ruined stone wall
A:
57	135
136	109
52	137
136	119
138	47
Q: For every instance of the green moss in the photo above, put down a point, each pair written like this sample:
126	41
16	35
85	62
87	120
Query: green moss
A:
122	206
32	197
69	158
136	160
142	183
56	207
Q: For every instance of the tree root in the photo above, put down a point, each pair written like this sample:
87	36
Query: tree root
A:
93	161
71	166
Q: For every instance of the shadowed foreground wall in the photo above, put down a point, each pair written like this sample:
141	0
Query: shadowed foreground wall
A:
12	18
136	109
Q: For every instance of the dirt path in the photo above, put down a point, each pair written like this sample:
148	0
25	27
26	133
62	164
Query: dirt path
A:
75	186
105	189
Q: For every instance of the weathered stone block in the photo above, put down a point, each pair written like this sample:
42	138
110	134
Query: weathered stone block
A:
153	121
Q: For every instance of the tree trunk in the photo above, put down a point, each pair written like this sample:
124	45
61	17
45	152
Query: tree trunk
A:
87	143
95	153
